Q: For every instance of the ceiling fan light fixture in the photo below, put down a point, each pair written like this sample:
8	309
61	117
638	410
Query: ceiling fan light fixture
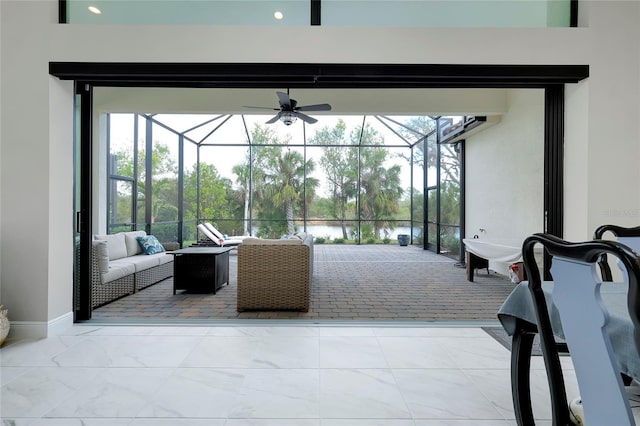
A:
288	118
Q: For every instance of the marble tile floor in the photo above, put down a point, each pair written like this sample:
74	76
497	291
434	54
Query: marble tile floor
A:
265	375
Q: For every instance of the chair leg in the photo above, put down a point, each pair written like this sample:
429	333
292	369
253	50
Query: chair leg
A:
521	345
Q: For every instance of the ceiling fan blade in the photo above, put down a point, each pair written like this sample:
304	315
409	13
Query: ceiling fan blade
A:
285	101
306	118
274	119
318	107
257	107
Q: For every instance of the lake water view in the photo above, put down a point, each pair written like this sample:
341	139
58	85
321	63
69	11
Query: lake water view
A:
334	232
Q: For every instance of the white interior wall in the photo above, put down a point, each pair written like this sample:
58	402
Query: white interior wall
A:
613	142
29	39
60	217
343	101
576	174
25	171
100	172
1	159
504	172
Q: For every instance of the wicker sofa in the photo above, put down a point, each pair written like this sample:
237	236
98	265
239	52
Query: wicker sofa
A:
275	274
119	267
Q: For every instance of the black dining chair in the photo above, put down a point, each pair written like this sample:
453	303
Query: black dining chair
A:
574	297
627	236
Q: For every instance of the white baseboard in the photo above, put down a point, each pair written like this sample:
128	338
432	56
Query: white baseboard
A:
41	329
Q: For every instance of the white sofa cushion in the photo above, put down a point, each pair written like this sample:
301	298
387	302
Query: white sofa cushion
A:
164	258
102	255
141	262
117	270
115	244
131	242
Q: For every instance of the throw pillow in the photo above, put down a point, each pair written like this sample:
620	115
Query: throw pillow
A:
150	244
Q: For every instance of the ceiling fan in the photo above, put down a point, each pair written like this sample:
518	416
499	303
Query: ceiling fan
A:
289	110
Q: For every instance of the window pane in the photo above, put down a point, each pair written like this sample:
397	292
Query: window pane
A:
450	241
165	231
121	141
270	228
446	13
331	230
432	233
449	185
418	194
381	183
224	183
398	13
141	166
120	197
197	12
164	178
432	206
189	201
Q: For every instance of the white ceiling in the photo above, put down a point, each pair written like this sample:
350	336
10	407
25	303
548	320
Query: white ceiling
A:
343	101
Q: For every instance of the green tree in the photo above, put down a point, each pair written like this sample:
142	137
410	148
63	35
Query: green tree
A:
243	191
380	190
214	199
278	181
339	162
284	175
164	181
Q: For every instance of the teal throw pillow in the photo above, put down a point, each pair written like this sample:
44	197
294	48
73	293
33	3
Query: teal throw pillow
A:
150	244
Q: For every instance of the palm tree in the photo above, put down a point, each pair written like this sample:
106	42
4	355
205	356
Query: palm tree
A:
285	180
243	180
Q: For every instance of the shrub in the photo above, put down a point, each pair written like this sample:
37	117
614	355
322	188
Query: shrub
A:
319	240
338	241
386	240
371	241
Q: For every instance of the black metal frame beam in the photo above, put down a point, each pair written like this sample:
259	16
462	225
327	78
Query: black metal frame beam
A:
553	167
295	75
85	95
316	12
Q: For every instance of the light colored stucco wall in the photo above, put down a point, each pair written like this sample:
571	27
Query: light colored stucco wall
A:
504	172
613	140
33	183
576	173
0	158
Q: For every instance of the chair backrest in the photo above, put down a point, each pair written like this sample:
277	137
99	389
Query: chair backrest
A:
576	295
627	236
214	230
208	234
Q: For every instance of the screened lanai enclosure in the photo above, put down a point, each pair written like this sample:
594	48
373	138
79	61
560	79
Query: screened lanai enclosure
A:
345	179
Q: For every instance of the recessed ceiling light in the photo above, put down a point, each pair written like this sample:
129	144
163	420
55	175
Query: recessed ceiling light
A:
278	15
95	10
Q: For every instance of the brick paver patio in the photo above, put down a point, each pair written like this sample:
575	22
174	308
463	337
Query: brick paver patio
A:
366	282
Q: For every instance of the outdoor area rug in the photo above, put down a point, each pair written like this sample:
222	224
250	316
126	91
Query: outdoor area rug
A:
504	339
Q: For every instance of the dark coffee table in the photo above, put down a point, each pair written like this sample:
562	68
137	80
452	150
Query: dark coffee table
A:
200	269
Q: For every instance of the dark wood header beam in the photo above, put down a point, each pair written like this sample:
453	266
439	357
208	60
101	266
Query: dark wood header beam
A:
270	75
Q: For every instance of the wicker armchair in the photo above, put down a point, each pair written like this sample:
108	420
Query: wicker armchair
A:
275	274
